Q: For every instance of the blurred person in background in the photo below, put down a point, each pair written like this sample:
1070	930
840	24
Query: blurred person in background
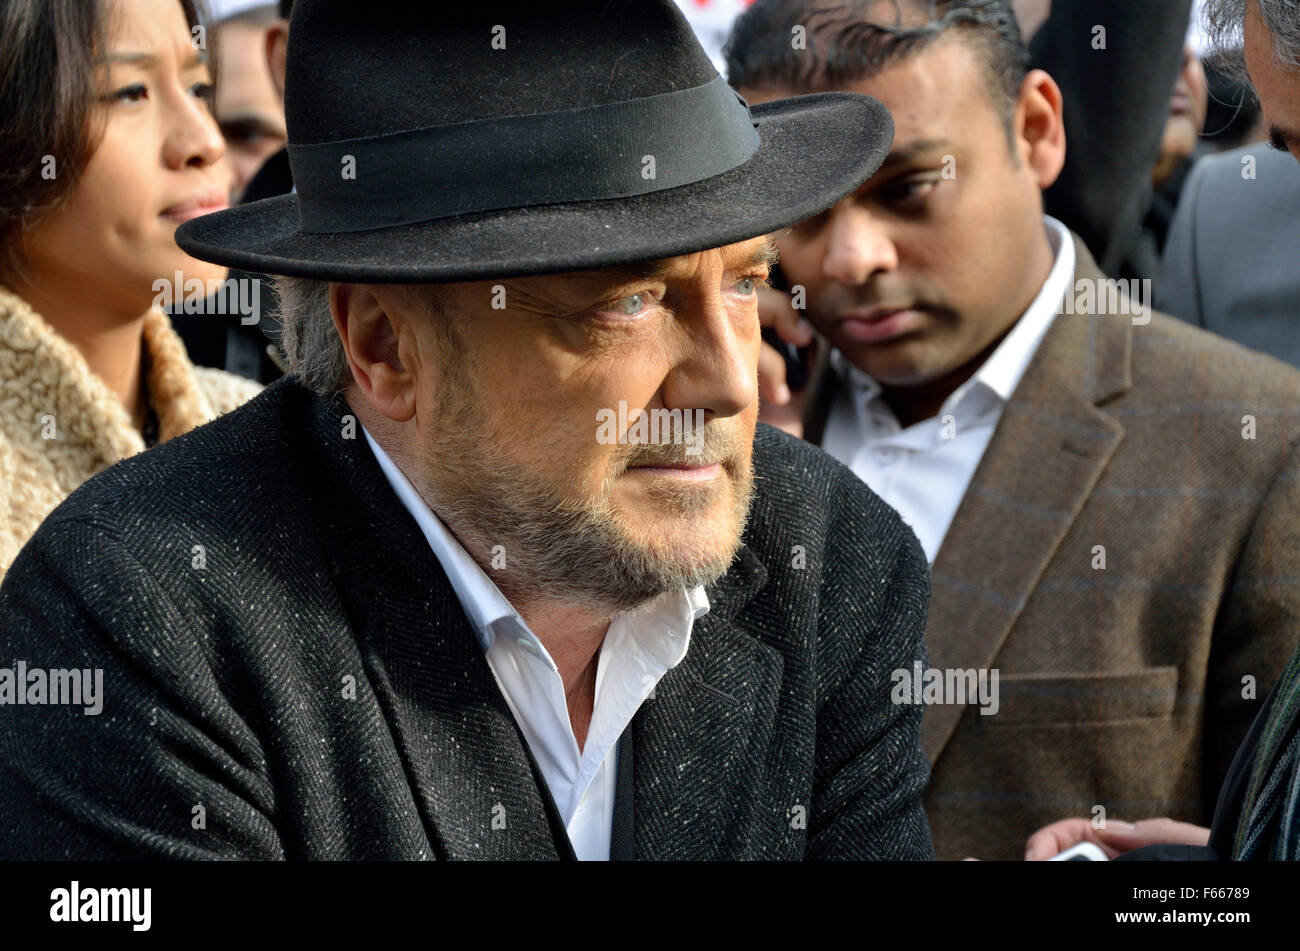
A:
1186	120
1115	62
108	144
275	177
1229	263
251	40
1180	148
249	107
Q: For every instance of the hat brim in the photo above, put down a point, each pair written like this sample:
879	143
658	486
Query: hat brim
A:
813	151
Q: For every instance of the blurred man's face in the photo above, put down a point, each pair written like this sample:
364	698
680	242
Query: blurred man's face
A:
1186	119
925	267
514	453
1278	87
248	109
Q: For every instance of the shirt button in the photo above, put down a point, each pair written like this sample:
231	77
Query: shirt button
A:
885	455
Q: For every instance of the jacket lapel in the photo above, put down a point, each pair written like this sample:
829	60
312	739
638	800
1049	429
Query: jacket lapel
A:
479	792
1051	446
622	838
701	738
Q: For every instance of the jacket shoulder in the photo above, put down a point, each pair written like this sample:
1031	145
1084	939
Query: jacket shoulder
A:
811	486
239	463
814	522
1221	177
1185	357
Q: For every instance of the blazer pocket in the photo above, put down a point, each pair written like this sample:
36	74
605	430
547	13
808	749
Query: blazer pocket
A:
1026	699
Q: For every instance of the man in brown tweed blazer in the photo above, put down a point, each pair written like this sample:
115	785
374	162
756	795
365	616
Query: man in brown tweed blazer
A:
1121	545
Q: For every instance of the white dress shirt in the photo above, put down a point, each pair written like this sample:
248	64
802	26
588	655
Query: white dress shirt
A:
924	470
639	648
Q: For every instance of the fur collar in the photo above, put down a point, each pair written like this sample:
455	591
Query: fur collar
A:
62	385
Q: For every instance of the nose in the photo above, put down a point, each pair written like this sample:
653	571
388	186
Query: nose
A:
857	246
718	367
191	136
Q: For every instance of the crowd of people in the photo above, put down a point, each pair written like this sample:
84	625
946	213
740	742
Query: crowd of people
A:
972	528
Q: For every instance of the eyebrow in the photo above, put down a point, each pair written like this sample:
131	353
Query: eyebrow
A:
766	254
906	153
149	60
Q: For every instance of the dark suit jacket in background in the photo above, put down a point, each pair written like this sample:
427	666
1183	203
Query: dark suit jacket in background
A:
1119	687
225	684
1116	107
1231	261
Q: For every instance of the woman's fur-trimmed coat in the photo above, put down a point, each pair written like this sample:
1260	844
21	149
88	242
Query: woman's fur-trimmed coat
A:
60	424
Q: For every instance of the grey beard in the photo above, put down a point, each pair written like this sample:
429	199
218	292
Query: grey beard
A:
556	552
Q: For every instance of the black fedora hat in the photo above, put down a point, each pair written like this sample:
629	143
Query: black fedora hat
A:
499	139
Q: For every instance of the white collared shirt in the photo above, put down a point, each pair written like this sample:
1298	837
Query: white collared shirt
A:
924	470
639	648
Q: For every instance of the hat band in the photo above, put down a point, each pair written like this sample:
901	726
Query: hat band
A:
608	151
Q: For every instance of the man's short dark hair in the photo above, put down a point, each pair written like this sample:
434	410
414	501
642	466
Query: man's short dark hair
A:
849	41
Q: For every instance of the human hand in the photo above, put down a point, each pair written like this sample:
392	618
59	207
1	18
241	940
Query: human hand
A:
778	405
1115	837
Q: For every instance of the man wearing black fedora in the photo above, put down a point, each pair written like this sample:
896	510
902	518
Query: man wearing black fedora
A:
506	569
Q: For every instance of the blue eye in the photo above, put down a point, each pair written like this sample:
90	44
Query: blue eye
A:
747	285
631	305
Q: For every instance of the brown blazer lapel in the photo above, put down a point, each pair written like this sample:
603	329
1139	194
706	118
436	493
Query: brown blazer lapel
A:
1051	446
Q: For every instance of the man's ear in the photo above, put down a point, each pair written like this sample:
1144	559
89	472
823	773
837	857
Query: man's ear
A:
277	46
1040	127
371	340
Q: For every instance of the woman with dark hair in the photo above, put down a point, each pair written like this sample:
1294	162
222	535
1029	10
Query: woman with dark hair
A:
107	144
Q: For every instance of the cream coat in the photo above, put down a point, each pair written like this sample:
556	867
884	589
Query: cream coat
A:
60	424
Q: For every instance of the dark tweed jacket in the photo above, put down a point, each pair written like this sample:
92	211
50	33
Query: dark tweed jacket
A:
288	673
